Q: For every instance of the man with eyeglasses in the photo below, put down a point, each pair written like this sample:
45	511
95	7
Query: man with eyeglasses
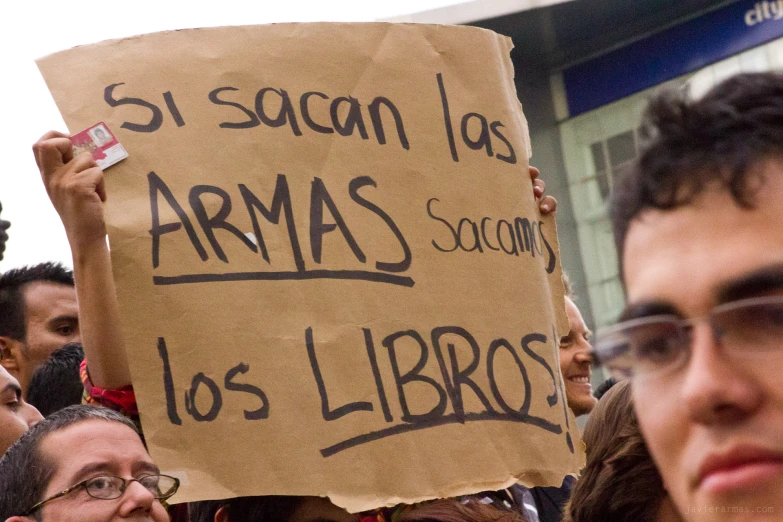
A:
86	464
699	227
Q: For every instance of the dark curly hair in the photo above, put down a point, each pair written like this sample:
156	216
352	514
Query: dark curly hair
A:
691	144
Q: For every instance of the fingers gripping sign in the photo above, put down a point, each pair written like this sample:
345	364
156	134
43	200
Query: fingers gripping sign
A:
547	204
75	187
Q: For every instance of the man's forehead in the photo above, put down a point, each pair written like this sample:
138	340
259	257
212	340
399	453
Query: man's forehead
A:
574	314
47	286
688	255
650	244
94	446
48	294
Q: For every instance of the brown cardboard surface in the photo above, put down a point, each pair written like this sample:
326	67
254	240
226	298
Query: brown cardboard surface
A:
389	331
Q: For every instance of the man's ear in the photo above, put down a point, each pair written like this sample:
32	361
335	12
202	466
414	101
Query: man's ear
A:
220	515
10	351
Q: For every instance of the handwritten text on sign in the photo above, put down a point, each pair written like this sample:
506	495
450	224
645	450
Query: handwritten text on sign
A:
331	268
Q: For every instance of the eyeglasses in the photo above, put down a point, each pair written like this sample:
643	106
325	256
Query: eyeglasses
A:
660	344
106	487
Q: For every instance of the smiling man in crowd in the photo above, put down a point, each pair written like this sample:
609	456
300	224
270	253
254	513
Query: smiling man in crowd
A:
576	362
699	228
39	316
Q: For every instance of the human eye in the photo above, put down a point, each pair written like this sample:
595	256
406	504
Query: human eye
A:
149	481
157	484
66	330
756	322
14	404
767	315
100	483
101	487
652	343
657	351
656	344
13	400
566	340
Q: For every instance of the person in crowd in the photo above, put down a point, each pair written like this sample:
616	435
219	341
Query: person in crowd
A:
697	222
576	360
619	482
75	187
16	415
39	315
4	226
86	464
57	383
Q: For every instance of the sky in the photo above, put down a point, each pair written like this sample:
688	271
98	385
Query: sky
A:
29	30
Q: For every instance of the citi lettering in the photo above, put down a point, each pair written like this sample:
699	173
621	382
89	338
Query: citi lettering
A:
765	10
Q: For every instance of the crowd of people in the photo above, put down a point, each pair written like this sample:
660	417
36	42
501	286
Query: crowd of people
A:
688	428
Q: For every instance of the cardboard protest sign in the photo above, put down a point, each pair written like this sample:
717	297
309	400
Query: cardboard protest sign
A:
333	275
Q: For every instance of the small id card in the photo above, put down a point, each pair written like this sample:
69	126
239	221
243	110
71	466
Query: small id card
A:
101	143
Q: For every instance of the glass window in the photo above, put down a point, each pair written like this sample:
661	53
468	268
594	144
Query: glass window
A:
622	148
599	158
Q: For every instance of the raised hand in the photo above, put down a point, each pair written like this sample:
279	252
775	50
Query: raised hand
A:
75	187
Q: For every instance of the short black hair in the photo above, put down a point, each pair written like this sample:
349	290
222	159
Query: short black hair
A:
604	387
688	145
25	473
247	509
57	384
12	283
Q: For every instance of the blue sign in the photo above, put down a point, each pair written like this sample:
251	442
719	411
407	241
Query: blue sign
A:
671	53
